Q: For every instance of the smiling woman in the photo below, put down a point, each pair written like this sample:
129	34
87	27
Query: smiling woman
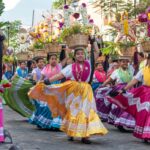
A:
9	5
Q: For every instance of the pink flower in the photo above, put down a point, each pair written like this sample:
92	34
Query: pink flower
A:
61	24
142	17
148	10
76	15
66	7
83	5
91	21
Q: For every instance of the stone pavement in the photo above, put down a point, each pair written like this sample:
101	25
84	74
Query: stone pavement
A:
28	137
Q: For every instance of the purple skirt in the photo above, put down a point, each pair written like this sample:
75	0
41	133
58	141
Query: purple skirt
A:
110	112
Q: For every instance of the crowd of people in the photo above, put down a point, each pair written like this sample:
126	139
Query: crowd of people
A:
66	100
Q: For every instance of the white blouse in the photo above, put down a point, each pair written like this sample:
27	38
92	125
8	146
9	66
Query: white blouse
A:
67	72
115	76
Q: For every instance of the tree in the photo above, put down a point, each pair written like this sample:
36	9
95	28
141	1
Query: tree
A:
2	6
111	7
11	30
59	3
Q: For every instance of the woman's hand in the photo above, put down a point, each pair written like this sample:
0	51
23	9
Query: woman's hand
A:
47	82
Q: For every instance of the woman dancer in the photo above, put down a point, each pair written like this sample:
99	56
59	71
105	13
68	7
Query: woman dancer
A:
137	102
73	100
110	112
43	117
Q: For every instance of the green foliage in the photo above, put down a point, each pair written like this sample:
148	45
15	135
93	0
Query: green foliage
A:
113	48
57	4
11	30
111	7
38	45
75	29
2	6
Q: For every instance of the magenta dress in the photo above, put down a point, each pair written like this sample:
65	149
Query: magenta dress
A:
1	122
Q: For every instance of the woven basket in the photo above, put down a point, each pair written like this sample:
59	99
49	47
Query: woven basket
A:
53	47
146	46
40	53
77	40
129	52
22	56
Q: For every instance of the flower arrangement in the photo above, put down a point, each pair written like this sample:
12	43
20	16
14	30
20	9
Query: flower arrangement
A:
118	48
76	29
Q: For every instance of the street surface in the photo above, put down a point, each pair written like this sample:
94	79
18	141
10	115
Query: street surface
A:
28	137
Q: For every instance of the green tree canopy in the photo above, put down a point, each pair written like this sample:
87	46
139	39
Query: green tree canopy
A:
1	7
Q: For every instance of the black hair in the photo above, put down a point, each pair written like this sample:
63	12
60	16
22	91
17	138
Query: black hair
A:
62	53
141	54
49	55
97	63
20	62
148	57
38	59
78	49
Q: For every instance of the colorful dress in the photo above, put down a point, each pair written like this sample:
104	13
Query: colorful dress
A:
2	86
42	117
111	112
98	79
137	103
73	100
1	122
22	72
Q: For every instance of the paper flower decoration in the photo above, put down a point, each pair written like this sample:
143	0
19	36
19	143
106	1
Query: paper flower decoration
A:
145	18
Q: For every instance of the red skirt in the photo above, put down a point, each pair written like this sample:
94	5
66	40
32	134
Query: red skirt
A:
137	103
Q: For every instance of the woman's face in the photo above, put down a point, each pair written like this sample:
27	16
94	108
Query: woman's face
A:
53	60
124	64
80	56
41	63
100	67
140	58
22	65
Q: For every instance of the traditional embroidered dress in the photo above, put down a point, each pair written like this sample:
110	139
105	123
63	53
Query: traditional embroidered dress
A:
42	117
137	103
111	112
73	101
98	79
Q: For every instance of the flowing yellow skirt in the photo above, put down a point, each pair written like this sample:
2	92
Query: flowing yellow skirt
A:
75	103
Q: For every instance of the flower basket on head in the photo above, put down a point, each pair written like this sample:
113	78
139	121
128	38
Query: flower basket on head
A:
22	56
76	35
53	47
77	40
146	46
40	53
129	52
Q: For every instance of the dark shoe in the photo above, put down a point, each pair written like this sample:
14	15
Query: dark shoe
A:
70	139
7	136
146	141
86	141
121	129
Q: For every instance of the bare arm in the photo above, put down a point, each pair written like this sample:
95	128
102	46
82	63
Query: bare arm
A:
96	51
131	84
13	77
34	77
56	77
107	81
42	77
64	61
